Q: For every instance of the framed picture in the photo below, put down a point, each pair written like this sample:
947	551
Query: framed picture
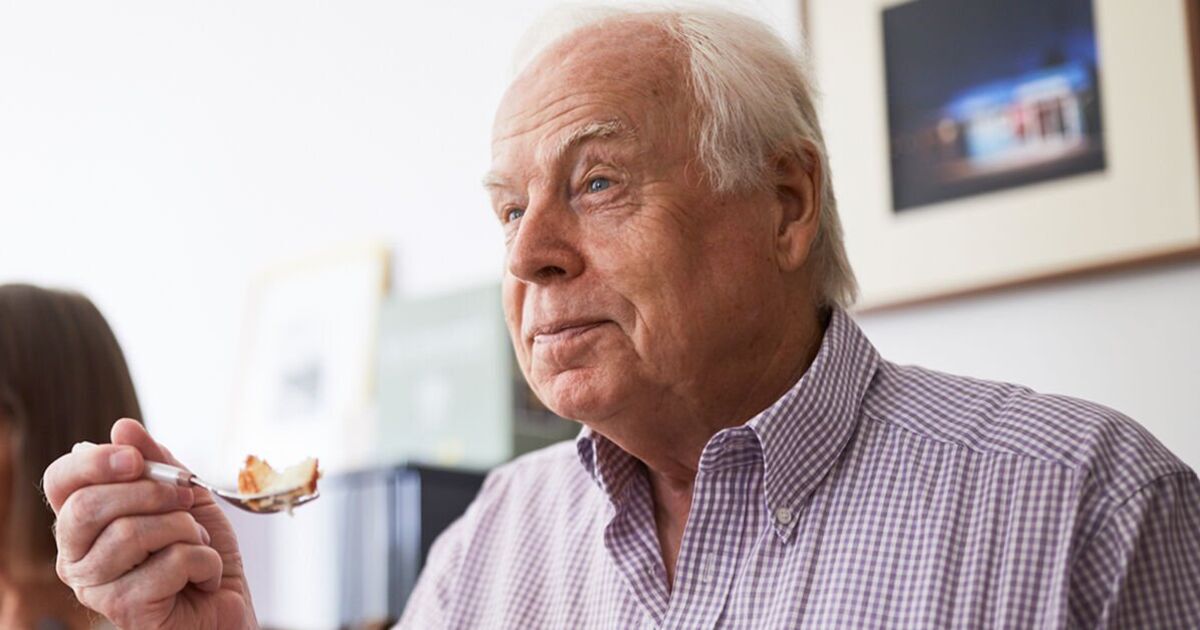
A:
976	145
307	376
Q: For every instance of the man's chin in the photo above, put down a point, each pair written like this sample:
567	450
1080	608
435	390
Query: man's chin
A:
580	394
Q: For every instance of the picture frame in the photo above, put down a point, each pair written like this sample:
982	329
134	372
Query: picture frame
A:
1141	208
307	373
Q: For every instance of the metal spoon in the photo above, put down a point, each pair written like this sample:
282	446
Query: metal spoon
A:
266	503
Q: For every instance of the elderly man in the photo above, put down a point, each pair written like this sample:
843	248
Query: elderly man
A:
675	281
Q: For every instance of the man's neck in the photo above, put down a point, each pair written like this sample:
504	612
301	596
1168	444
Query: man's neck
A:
672	460
682	425
672	504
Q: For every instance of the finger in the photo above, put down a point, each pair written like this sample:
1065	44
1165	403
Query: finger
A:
127	543
132	433
162	576
107	463
89	510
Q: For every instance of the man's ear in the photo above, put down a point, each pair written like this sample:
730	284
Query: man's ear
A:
798	191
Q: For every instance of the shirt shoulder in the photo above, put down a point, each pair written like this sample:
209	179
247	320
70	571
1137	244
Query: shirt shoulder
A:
552	469
536	493
1108	450
531	521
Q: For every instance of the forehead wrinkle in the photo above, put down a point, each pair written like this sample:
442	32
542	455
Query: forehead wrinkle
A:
596	129
612	128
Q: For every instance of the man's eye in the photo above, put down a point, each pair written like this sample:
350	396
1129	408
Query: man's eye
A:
512	214
597	184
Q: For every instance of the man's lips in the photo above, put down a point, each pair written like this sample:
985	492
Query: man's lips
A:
561	331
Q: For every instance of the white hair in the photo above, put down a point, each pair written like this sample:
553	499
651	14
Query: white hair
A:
755	104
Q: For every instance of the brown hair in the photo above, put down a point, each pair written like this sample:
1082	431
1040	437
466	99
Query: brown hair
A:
63	379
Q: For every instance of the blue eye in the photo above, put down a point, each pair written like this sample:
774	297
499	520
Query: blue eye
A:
597	184
512	214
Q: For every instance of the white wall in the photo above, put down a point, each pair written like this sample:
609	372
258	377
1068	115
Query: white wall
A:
157	155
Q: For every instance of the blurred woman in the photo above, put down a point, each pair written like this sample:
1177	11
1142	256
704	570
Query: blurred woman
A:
63	379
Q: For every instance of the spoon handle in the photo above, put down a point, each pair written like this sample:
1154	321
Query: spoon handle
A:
167	473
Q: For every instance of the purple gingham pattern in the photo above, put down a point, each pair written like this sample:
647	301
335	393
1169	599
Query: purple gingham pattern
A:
870	496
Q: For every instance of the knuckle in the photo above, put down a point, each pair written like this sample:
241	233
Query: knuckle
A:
186	524
126	531
179	554
174	555
213	556
87	596
52	483
116	602
82	509
61	569
53	472
124	599
87	503
102	598
80	574
175	521
73	574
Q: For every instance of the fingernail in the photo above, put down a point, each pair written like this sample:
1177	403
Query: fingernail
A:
203	534
186	497
123	462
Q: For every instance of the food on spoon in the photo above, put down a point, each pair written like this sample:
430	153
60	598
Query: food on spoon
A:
258	478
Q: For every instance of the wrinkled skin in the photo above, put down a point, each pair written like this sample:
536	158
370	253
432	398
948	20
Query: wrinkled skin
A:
142	553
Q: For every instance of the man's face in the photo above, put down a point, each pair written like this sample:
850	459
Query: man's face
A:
629	284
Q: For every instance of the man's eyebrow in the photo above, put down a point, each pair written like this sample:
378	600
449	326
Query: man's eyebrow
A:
581	134
494	180
588	131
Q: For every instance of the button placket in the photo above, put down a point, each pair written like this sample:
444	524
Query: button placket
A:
708	567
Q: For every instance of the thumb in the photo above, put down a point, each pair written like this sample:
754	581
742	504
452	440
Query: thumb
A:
131	433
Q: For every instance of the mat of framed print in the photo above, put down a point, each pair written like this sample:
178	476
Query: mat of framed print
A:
305	386
974	148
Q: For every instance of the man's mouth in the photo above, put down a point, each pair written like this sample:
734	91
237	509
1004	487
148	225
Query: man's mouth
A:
562	331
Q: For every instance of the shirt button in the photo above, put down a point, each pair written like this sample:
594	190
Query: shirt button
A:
783	515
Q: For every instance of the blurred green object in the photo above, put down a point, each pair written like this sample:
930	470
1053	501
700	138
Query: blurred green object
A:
450	391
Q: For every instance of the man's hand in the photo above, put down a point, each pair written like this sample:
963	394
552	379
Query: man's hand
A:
143	553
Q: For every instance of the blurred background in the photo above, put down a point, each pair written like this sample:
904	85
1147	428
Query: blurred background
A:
277	207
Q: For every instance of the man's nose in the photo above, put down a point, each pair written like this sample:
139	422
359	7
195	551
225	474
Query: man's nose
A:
545	248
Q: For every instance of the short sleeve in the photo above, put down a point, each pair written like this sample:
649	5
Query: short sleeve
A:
1142	568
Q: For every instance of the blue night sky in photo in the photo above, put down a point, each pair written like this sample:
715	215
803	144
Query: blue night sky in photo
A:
937	51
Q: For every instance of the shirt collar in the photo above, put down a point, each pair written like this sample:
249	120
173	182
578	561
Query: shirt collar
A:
805	432
800	436
608	465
